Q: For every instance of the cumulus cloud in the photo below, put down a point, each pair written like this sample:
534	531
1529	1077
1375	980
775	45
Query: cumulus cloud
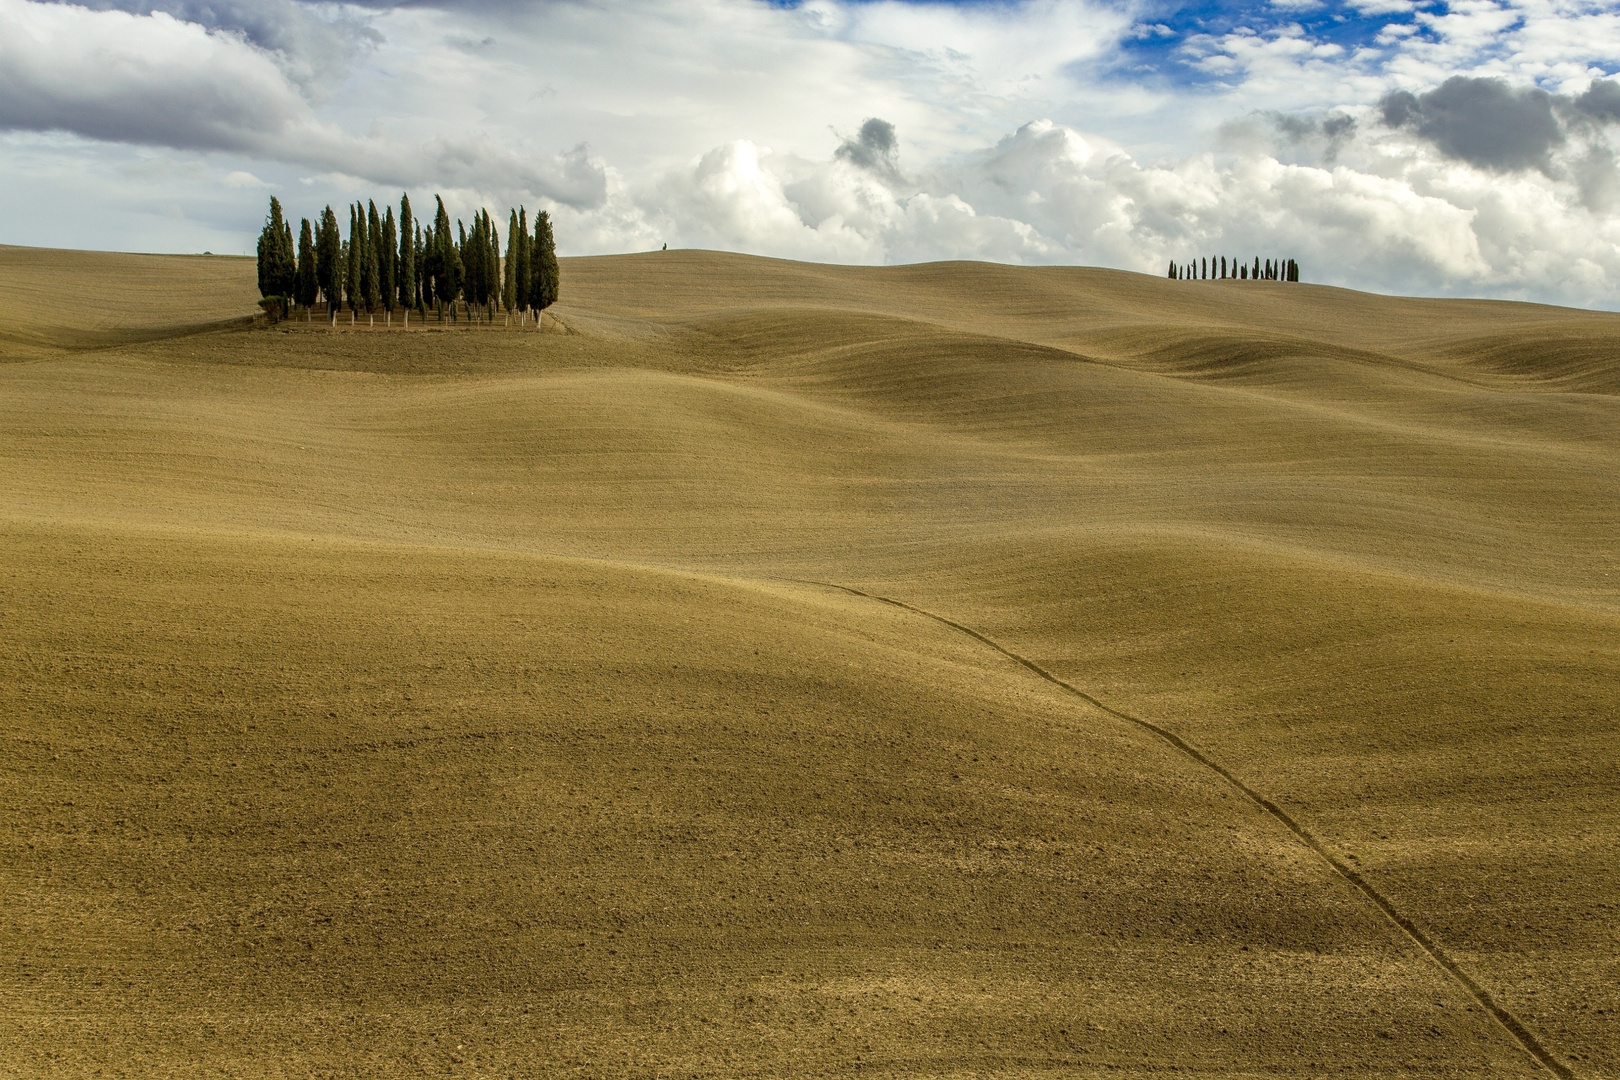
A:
158	80
310	46
1389	212
1465	148
142	79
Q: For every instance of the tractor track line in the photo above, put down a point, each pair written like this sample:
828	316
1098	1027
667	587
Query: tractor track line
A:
1509	1023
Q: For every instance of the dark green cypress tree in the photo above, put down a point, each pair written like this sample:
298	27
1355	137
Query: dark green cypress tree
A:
1223	266
472	285
494	264
420	284
304	290
288	262
328	245
461	246
405	271
387	271
427	266
509	270
278	262
545	262
263	251
352	258
525	271
455	275
346	294
472	257
369	228
446	276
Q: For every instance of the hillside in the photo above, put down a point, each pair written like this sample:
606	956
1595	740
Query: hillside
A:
496	702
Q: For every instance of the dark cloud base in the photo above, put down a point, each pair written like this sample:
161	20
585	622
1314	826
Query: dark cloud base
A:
1493	125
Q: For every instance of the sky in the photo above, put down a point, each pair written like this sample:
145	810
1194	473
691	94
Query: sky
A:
1462	148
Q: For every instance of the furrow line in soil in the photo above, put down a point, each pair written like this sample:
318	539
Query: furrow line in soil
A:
1509	1023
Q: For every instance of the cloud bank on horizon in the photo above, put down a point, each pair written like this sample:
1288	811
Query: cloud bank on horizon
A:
1451	147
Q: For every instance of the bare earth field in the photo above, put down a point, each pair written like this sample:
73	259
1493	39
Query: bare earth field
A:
485	702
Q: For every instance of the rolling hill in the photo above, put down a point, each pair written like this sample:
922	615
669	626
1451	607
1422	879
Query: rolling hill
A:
494	702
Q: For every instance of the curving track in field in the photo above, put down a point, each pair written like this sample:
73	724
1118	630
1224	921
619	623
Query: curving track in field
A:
1509	1023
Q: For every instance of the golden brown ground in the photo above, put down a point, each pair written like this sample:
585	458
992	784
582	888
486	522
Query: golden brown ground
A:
375	703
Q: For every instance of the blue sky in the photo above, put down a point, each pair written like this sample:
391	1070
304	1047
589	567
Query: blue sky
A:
1121	134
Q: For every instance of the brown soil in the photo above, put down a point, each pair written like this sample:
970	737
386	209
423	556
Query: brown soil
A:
467	700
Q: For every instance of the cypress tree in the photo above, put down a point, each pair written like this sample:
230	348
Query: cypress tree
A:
345	265
471	267
278	264
340	276
288	259
545	262
369	228
405	276
427	266
446	272
1223	266
478	258
328	245
420	284
509	271
461	246
263	251
388	272
494	265
304	290
352	259
525	272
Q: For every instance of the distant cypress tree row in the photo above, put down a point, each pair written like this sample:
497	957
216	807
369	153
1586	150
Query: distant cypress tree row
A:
1220	268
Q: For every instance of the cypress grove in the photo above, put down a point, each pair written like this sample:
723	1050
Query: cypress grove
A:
391	263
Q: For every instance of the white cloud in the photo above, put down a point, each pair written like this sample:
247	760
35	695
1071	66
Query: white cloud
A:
159	81
718	123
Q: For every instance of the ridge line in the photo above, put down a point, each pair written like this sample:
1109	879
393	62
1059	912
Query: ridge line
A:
1509	1023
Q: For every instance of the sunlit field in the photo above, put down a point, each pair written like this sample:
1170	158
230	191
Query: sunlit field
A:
782	670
